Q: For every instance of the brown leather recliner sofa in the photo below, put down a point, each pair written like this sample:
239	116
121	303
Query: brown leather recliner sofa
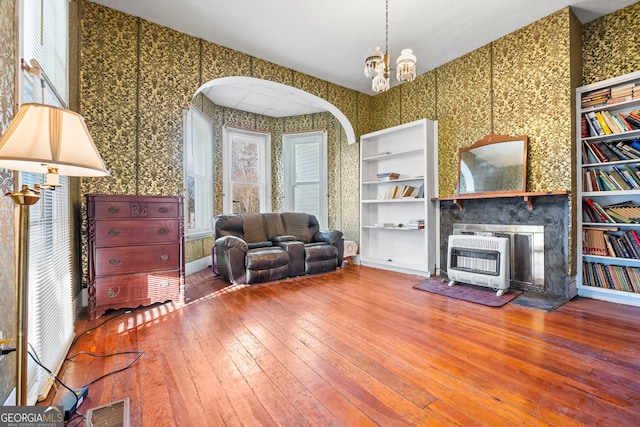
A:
254	248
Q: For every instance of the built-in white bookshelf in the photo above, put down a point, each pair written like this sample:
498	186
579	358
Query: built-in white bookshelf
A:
397	212
608	185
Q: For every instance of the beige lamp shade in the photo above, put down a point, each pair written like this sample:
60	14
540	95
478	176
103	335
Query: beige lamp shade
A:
42	136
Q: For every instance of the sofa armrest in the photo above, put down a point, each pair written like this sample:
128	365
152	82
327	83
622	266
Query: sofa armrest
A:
333	237
232	242
231	252
283	238
328	236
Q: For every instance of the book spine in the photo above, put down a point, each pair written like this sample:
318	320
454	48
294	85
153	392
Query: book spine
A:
619	153
603	124
601	212
596	124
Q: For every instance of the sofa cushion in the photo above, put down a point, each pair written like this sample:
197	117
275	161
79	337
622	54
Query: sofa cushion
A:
297	224
265	258
253	228
273	225
259	245
320	251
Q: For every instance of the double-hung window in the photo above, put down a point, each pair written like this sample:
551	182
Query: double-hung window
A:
247	171
198	174
305	178
44	79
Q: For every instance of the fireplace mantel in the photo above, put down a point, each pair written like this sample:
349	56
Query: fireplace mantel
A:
526	195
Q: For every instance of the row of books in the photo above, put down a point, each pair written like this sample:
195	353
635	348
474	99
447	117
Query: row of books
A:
616	277
622	177
606	123
610	151
387	176
618	213
401	191
610	241
611	95
416	224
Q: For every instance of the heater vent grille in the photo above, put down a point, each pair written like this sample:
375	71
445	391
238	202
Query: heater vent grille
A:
479	260
114	414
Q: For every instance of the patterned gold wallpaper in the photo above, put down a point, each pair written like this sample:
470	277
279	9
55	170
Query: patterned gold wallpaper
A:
7	235
532	95
109	96
463	110
167	78
610	45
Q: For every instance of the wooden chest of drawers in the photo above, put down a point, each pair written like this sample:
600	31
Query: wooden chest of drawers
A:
136	251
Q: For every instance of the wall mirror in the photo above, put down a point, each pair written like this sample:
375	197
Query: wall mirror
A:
494	164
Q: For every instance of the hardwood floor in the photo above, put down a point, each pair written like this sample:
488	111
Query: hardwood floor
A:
361	347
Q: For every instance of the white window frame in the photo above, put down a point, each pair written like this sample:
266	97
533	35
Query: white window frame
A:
289	143
230	135
198	138
51	307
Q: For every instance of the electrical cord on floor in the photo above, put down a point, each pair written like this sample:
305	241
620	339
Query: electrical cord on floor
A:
75	418
138	352
37	361
98	325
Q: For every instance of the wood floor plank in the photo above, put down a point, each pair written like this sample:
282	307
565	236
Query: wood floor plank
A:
361	347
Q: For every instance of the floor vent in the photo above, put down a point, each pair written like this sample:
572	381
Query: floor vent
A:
114	414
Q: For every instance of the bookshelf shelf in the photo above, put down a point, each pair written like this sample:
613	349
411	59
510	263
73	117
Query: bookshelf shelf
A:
390	155
608	184
614	136
407	200
393	181
410	152
393	228
617	106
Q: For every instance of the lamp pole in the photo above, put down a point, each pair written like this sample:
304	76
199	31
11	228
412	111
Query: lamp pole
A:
24	199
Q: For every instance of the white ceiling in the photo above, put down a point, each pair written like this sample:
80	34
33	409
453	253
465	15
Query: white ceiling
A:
329	39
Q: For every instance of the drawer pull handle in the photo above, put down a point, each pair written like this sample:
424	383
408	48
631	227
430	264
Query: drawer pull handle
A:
111	293
164	284
114	261
113	233
163	230
164	257
163	210
114	209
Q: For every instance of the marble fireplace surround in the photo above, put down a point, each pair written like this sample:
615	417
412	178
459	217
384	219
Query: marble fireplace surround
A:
551	212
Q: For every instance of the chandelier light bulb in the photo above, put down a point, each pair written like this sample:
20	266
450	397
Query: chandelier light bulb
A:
380	83
371	64
406	66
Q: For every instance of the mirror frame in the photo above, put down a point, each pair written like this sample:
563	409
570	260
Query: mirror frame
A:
491	140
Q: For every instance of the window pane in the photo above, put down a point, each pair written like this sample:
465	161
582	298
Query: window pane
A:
245	164
307	162
198	170
306	198
246	198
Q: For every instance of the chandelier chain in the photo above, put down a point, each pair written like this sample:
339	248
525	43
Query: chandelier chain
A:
386	29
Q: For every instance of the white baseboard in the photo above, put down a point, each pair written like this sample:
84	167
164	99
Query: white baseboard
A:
197	265
81	301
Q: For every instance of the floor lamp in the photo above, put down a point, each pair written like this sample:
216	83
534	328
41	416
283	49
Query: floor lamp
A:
49	140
